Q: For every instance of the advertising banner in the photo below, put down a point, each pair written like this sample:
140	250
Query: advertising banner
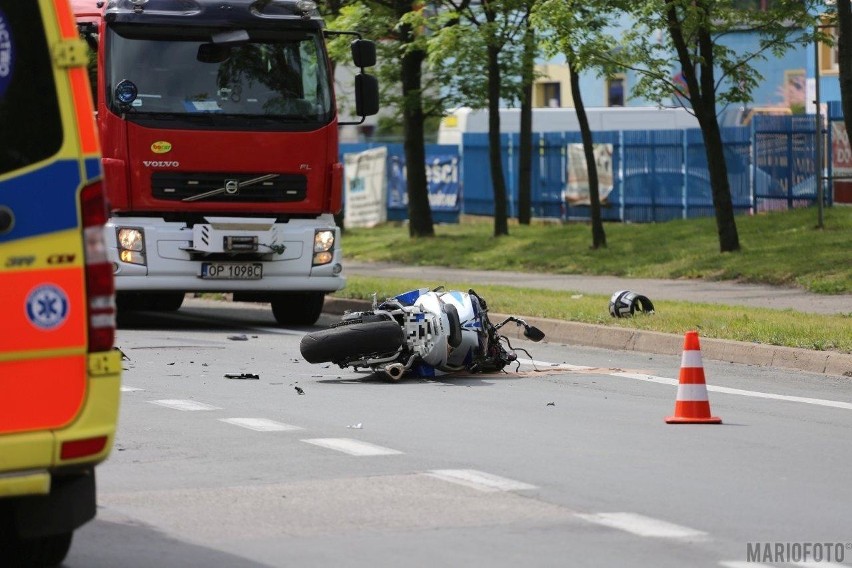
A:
841	162
365	176
442	180
577	190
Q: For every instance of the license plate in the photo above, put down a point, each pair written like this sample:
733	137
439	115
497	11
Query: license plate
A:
231	270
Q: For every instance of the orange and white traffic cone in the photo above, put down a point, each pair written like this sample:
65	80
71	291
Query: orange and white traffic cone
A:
692	405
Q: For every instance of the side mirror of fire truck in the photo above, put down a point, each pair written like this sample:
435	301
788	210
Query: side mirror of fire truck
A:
366	85
366	95
363	53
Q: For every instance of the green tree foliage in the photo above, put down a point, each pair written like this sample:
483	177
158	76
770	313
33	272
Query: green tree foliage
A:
495	28
399	25
581	31
713	73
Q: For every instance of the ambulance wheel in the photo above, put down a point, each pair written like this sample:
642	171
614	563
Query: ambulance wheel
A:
39	552
297	308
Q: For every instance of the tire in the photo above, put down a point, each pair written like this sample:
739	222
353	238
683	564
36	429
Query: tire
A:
298	308
356	340
42	552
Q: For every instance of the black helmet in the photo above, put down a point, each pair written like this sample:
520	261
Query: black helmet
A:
624	303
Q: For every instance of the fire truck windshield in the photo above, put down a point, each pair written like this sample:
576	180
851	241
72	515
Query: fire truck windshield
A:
178	73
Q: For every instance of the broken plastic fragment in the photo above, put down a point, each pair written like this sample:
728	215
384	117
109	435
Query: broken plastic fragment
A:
241	376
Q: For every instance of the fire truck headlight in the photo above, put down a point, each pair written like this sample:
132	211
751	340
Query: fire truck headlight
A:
131	239
131	257
323	241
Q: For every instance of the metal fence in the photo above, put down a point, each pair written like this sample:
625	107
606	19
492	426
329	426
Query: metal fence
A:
656	175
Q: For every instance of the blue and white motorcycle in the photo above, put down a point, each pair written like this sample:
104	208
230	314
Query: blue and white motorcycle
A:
424	332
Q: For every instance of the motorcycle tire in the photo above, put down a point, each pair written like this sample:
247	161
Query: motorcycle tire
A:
353	341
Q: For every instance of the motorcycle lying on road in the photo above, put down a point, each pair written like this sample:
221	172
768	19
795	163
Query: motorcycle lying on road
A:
425	332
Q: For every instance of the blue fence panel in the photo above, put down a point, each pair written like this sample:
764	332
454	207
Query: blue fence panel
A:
785	162
652	177
657	175
476	175
548	174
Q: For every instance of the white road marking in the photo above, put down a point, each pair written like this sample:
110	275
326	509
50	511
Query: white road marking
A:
260	424
711	388
130	389
565	366
184	404
352	447
741	392
479	480
642	525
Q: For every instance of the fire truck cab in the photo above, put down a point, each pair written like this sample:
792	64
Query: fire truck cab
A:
219	129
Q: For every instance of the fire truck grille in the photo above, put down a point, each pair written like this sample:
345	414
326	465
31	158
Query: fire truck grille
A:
218	187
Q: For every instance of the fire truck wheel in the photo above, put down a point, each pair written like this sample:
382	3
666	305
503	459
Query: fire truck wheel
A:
297	308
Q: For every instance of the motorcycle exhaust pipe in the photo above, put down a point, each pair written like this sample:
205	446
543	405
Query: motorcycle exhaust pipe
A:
395	371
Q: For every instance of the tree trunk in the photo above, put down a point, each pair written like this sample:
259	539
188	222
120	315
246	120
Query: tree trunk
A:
411	70
702	97
525	149
495	154
419	210
598	235
844	60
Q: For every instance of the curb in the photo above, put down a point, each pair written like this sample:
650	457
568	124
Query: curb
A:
591	335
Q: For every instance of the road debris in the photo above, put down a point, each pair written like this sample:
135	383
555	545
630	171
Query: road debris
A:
251	376
355	426
299	390
238	337
551	404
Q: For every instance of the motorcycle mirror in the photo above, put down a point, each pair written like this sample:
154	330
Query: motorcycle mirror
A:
533	333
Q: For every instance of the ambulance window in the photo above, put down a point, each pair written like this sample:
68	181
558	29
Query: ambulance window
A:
29	111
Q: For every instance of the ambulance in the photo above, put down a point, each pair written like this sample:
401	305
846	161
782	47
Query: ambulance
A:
59	371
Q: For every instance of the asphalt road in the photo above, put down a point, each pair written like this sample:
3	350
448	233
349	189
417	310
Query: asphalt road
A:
566	462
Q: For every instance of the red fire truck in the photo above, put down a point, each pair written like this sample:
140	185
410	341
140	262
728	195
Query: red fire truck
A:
219	130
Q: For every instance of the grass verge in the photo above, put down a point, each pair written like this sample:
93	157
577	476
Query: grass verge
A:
779	249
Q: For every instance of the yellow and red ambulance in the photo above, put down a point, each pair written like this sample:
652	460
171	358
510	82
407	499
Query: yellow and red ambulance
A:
59	371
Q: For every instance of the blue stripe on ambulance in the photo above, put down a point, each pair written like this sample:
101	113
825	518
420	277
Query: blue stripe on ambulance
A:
41	200
93	168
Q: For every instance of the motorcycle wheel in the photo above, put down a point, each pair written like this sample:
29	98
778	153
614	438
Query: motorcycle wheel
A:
353	341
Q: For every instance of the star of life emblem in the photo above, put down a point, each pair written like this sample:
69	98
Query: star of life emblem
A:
47	306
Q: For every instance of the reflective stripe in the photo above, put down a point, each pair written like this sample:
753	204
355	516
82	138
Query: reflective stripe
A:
692	392
691	359
84	110
67	25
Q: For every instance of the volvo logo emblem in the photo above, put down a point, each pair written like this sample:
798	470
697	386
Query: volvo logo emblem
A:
232	186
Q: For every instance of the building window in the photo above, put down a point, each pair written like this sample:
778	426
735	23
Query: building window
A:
552	94
615	90
829	55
